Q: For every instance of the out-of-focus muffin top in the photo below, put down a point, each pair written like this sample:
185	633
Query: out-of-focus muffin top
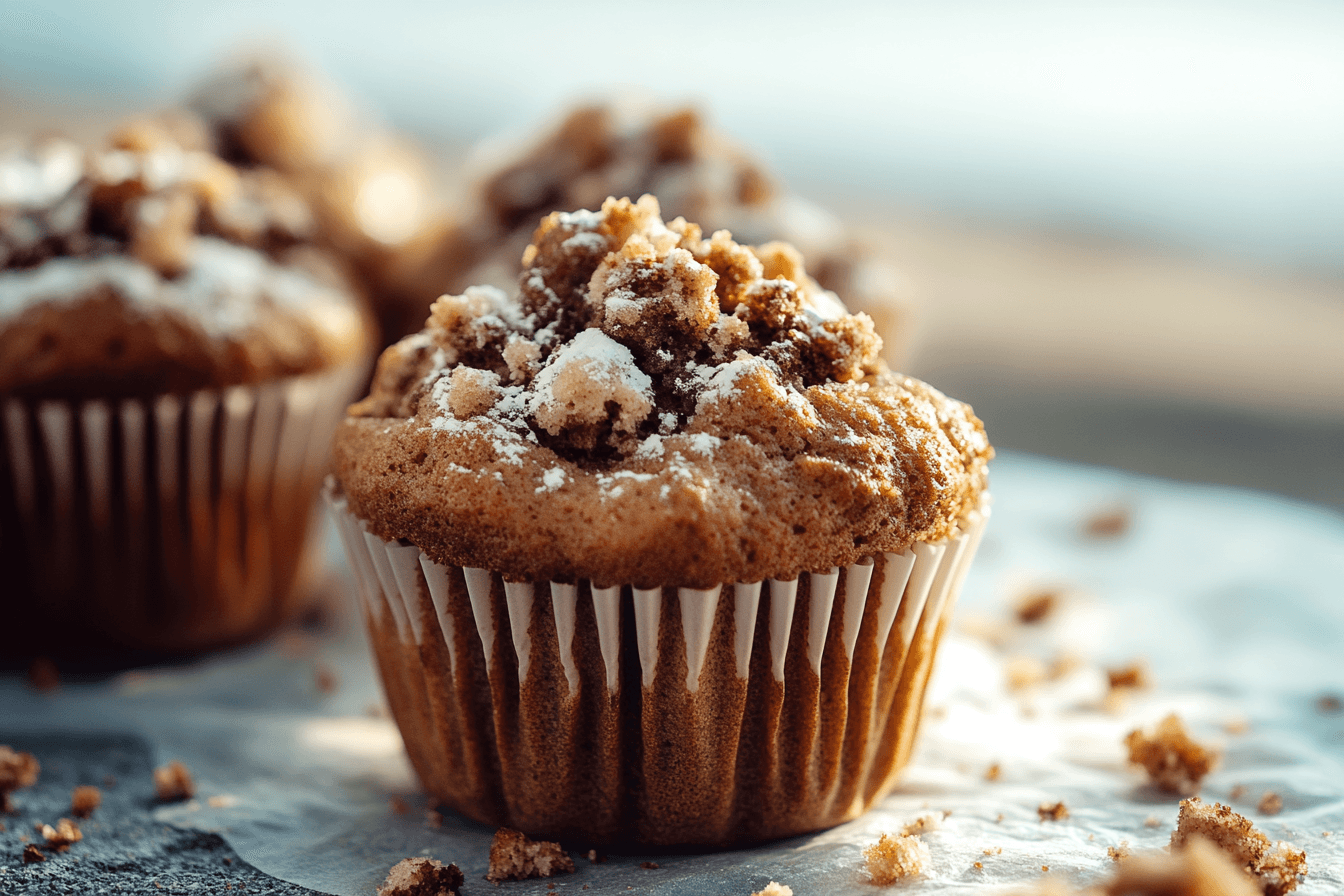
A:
150	265
656	407
629	149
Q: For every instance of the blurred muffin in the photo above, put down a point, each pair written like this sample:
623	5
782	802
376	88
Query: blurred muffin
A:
629	149
173	359
373	192
655	549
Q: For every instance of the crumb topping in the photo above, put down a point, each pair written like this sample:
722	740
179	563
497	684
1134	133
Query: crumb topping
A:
84	800
1175	762
167	231
173	782
638	355
513	856
17	771
420	876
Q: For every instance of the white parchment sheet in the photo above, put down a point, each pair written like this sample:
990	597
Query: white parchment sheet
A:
1234	600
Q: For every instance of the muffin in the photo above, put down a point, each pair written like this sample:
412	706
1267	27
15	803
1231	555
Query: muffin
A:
627	149
656	550
174	358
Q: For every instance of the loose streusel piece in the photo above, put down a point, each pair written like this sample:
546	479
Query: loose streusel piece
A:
1175	762
419	876
62	835
172	783
1053	811
17	770
515	857
896	857
84	799
774	889
1276	866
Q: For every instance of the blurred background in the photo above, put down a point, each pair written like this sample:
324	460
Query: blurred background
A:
1122	225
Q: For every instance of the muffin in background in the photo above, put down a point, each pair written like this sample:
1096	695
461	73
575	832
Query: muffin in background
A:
629	148
174	356
655	549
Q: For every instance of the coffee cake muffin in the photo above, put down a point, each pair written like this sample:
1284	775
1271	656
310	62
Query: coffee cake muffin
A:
174	356
656	550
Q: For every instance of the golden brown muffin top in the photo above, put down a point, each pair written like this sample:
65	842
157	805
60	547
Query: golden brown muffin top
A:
654	407
151	265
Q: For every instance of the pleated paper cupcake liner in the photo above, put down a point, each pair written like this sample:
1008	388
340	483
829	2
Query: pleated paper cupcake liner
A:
177	522
665	716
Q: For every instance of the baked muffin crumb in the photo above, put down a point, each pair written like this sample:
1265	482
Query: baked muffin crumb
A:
419	876
32	854
513	856
61	836
1270	803
173	783
1053	811
17	770
1276	866
774	889
84	799
896	857
1174	761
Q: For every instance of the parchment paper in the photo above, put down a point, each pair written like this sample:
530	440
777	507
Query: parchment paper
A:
1233	599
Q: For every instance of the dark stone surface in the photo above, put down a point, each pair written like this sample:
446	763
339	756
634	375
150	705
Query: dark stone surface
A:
124	849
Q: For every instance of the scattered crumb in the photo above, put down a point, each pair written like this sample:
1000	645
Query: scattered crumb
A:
894	858
923	825
17	770
1052	811
1329	704
999	820
434	818
398	806
993	773
1174	761
514	857
1036	605
1198	869
221	801
996	851
1045	867
978	866
595	857
1327	833
1110	523
1152	822
774	889
1238	725
1023	671
43	675
1119	852
84	799
1062	665
1270	803
1131	677
1276	866
325	678
172	782
649	866
422	877
1091	837
32	854
61	836
1237	792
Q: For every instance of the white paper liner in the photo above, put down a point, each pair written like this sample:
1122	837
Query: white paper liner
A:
122	506
904	616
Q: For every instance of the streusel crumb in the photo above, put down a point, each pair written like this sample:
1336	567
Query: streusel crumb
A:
515	857
1276	866
420	876
896	857
1174	761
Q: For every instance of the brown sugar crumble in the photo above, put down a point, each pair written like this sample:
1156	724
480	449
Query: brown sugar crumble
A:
1037	606
84	799
1174	761
1052	811
1270	803
515	857
17	771
1152	821
1198	869
419	876
1119	852
1110	523
923	825
32	854
774	889
173	783
1276	867
61	836
1132	677
896	857
994	772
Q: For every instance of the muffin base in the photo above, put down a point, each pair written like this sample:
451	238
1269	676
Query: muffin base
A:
172	523
657	717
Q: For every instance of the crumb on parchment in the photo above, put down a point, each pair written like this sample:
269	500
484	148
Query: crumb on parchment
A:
1175	762
896	857
420	876
1276	866
173	783
513	856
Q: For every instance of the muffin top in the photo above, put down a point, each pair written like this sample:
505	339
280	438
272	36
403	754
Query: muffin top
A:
658	408
151	266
